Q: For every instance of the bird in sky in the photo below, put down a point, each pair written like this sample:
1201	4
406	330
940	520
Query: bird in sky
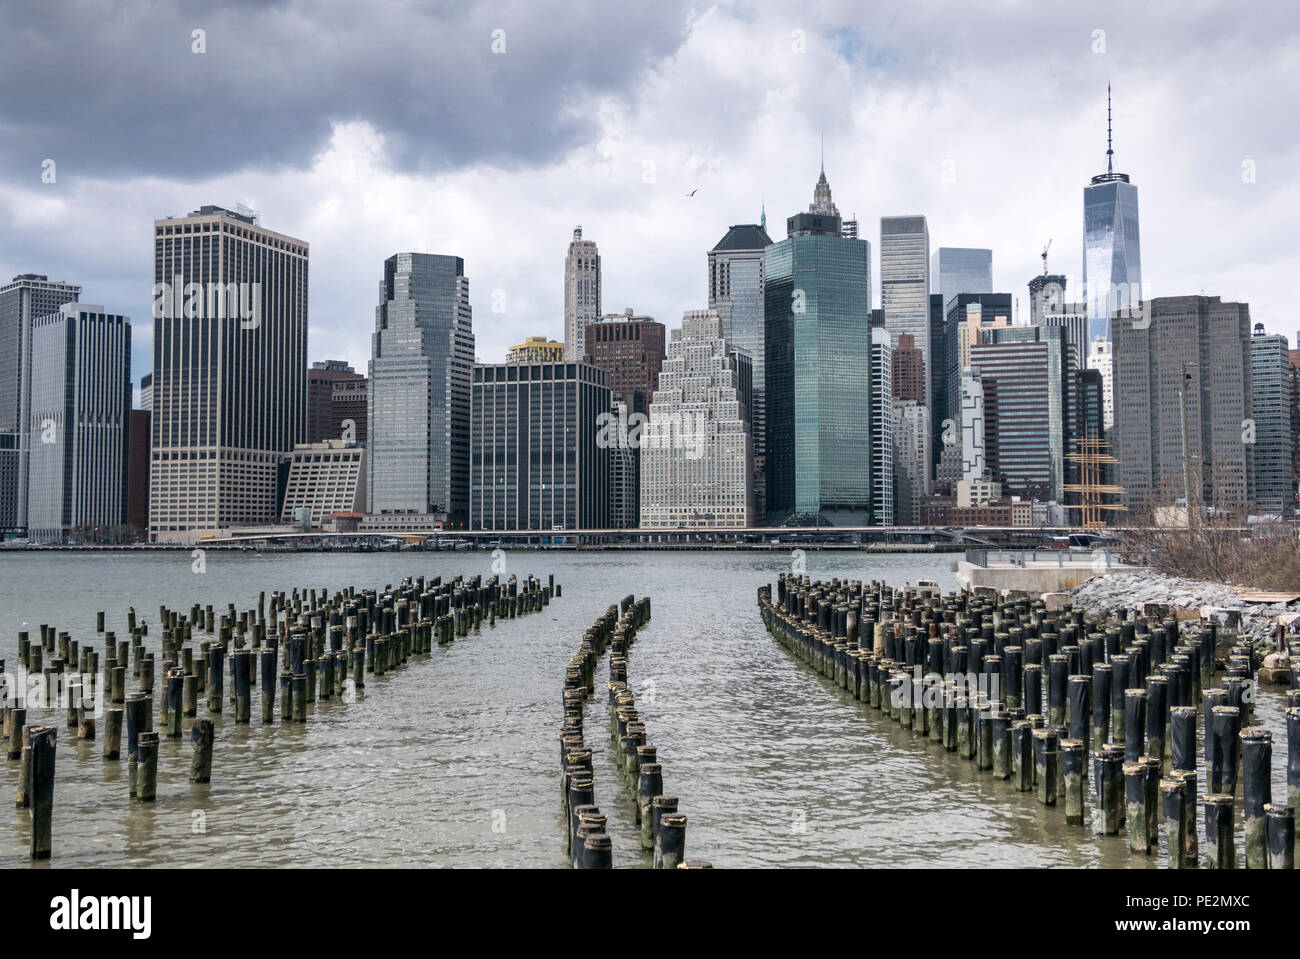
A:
693	192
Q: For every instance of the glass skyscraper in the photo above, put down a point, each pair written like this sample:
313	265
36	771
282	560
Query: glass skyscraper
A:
1112	261
422	357
1270	409
905	284
958	269
817	314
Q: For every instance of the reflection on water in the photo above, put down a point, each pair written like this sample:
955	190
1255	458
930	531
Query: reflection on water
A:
453	759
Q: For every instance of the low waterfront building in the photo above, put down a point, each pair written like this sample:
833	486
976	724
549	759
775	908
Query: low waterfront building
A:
324	478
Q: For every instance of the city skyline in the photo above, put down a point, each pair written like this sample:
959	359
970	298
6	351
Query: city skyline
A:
358	181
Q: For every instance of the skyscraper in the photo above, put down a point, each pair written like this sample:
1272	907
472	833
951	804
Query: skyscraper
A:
969	314
630	349
736	292
697	451
957	269
1099	359
537	460
581	294
908	370
817	308
911	460
1112	260
336	402
905	283
230	370
419	420
80	423
1030	384
882	428
26	297
1047	307
1203	345
1270	398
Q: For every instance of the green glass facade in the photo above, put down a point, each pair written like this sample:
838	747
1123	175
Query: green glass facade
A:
817	304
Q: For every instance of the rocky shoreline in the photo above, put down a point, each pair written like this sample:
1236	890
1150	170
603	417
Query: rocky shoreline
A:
1191	598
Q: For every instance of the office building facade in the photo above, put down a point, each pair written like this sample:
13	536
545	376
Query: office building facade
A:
736	292
817	307
79	431
337	398
581	294
325	478
1203	345
882	428
22	300
229	371
912	469
537	461
1269	433
1030	383
697	450
905	283
419	415
955	269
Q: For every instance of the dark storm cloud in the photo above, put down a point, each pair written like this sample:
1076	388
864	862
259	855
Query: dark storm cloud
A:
113	89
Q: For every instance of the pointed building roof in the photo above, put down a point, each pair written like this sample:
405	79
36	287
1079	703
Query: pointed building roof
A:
822	202
744	236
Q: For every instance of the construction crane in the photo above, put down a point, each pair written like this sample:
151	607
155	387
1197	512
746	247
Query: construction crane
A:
1044	256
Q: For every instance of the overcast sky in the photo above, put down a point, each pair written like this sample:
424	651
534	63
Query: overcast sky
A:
368	129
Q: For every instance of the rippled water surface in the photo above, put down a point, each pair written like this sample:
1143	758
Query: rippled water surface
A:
453	759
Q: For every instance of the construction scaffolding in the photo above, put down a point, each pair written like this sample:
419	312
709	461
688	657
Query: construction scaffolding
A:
1092	457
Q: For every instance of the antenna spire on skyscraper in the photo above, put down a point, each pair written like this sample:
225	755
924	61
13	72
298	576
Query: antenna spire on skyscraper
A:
1109	151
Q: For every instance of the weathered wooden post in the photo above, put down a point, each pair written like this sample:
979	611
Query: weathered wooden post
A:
216	676
1173	793
1135	795
1281	836
1257	792
672	840
137	716
243	661
1219	851
1046	759
146	747
268	656
201	735
41	748
175	704
113	733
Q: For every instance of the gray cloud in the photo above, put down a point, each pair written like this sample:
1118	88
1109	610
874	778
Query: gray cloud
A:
114	89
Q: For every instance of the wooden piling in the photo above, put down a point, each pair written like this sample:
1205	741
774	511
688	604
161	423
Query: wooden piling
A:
41	750
201	740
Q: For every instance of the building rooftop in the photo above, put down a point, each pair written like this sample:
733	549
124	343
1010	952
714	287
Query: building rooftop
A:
744	236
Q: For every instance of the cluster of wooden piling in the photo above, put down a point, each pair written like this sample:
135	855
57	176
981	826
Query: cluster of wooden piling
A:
1027	694
661	827
309	646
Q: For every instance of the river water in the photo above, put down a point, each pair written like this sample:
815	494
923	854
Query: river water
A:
453	759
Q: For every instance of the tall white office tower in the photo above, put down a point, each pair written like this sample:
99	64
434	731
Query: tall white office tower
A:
581	294
696	451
